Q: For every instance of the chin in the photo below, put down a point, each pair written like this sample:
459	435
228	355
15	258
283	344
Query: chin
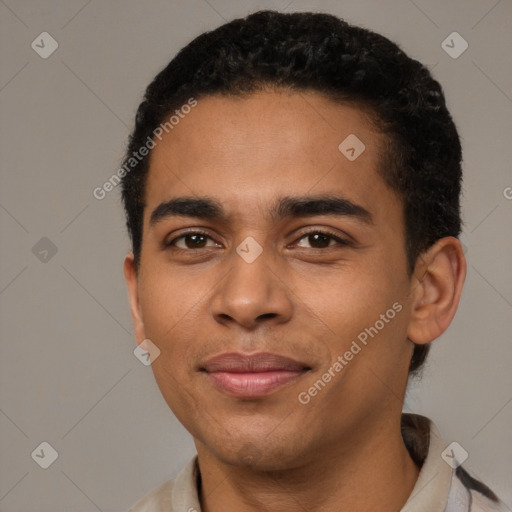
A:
262	457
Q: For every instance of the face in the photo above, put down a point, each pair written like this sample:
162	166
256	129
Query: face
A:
273	278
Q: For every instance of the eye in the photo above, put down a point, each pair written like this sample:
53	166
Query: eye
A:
192	240
321	239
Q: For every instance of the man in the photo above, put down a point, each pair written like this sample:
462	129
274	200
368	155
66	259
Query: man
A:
292	195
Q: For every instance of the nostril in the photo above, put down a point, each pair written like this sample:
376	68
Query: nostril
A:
225	316
267	315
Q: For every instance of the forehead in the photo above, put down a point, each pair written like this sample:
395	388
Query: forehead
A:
248	151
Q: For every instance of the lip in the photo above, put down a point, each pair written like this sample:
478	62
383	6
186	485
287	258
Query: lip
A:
252	375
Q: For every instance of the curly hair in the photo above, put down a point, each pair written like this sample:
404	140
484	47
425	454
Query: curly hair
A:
421	160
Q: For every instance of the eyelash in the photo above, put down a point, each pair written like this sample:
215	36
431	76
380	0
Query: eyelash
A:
183	235
329	234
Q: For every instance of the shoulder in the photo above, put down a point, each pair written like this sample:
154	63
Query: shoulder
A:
472	494
179	494
159	499
483	504
442	486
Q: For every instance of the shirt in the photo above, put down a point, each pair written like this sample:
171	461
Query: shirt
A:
442	485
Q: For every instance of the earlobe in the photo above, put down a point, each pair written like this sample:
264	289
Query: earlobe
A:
132	283
437	285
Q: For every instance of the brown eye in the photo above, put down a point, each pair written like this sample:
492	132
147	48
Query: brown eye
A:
192	240
320	240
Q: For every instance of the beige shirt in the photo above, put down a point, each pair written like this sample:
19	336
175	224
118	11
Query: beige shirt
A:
439	488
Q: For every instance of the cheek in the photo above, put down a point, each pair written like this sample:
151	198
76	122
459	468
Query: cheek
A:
345	298
363	304
169	298
170	308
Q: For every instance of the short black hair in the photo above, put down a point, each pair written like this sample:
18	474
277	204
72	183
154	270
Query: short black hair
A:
267	50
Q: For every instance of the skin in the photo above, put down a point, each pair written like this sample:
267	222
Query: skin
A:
343	450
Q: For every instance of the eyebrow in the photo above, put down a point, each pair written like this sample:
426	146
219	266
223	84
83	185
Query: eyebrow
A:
302	206
202	208
307	206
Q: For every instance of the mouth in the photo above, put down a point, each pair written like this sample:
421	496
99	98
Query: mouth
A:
252	376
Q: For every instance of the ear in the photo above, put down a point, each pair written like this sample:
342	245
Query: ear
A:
132	283
436	288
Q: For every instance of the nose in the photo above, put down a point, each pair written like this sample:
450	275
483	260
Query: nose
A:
252	294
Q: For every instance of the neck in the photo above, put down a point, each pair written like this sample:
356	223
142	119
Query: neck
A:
369	472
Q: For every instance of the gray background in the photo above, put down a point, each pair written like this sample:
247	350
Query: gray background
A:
68	373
